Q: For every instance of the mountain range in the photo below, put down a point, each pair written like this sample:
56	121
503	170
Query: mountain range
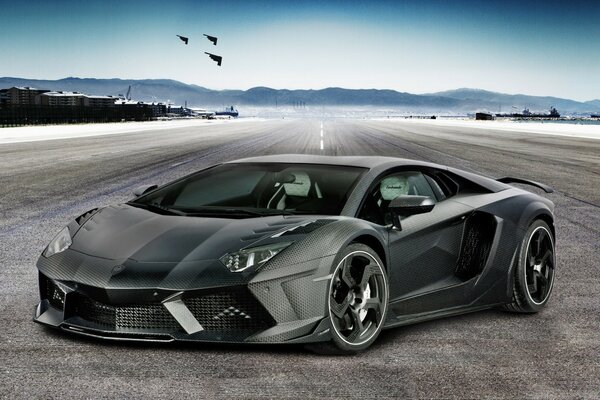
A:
452	101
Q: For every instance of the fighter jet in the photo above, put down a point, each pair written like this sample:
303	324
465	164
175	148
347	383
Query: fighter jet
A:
213	39
183	39
215	57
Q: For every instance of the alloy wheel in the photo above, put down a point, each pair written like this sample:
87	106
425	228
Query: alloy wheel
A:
358	298
539	265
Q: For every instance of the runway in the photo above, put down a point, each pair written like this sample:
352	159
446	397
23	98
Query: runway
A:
554	354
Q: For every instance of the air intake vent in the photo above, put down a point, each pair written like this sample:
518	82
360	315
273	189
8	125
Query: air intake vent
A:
51	291
154	316
308	228
234	310
96	312
146	317
476	244
82	219
231	311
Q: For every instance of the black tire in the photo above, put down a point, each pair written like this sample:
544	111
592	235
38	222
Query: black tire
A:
533	277
357	303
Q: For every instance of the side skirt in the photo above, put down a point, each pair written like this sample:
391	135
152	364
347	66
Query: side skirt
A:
428	316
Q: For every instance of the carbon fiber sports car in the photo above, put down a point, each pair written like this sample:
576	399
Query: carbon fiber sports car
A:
326	251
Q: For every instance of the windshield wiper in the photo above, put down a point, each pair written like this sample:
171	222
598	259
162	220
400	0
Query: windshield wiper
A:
277	212
229	210
158	208
233	210
199	211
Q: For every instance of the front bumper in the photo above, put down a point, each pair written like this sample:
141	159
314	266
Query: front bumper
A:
231	315
277	306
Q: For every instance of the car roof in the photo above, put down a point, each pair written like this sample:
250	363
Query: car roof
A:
352	161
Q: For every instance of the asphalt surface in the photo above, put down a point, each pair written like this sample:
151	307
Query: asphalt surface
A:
554	354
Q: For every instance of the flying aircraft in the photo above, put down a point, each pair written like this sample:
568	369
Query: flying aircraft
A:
215	57
213	39
183	39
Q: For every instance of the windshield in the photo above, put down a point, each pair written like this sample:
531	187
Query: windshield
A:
247	190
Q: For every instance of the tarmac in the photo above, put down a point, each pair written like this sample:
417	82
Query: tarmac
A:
488	354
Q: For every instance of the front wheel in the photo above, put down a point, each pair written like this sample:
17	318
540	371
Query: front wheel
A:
534	272
357	301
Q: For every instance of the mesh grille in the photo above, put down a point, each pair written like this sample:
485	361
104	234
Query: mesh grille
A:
96	312
151	316
54	295
235	310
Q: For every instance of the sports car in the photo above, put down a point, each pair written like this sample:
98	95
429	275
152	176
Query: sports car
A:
318	250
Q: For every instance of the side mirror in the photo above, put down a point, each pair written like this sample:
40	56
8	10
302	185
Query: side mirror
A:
405	206
137	192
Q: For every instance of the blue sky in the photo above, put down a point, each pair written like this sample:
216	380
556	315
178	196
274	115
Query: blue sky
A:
532	47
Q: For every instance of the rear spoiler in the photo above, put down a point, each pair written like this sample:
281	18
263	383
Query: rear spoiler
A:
509	180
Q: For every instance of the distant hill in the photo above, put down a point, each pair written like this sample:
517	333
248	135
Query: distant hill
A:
178	92
495	101
594	103
459	101
343	97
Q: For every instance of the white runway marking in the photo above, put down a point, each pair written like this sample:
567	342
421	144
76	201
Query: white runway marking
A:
321	144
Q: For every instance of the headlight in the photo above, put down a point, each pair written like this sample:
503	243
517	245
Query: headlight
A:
247	258
60	243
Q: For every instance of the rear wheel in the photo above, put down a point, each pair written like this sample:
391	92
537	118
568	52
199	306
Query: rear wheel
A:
357	301
534	272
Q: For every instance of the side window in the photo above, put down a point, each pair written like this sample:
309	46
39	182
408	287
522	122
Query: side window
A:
405	183
435	186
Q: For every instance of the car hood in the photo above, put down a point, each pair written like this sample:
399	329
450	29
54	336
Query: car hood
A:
127	232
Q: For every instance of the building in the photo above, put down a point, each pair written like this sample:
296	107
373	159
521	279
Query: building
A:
20	96
158	109
62	99
155	109
99	101
3	97
24	105
179	111
202	113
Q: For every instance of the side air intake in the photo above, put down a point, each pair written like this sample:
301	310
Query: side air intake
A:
477	241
